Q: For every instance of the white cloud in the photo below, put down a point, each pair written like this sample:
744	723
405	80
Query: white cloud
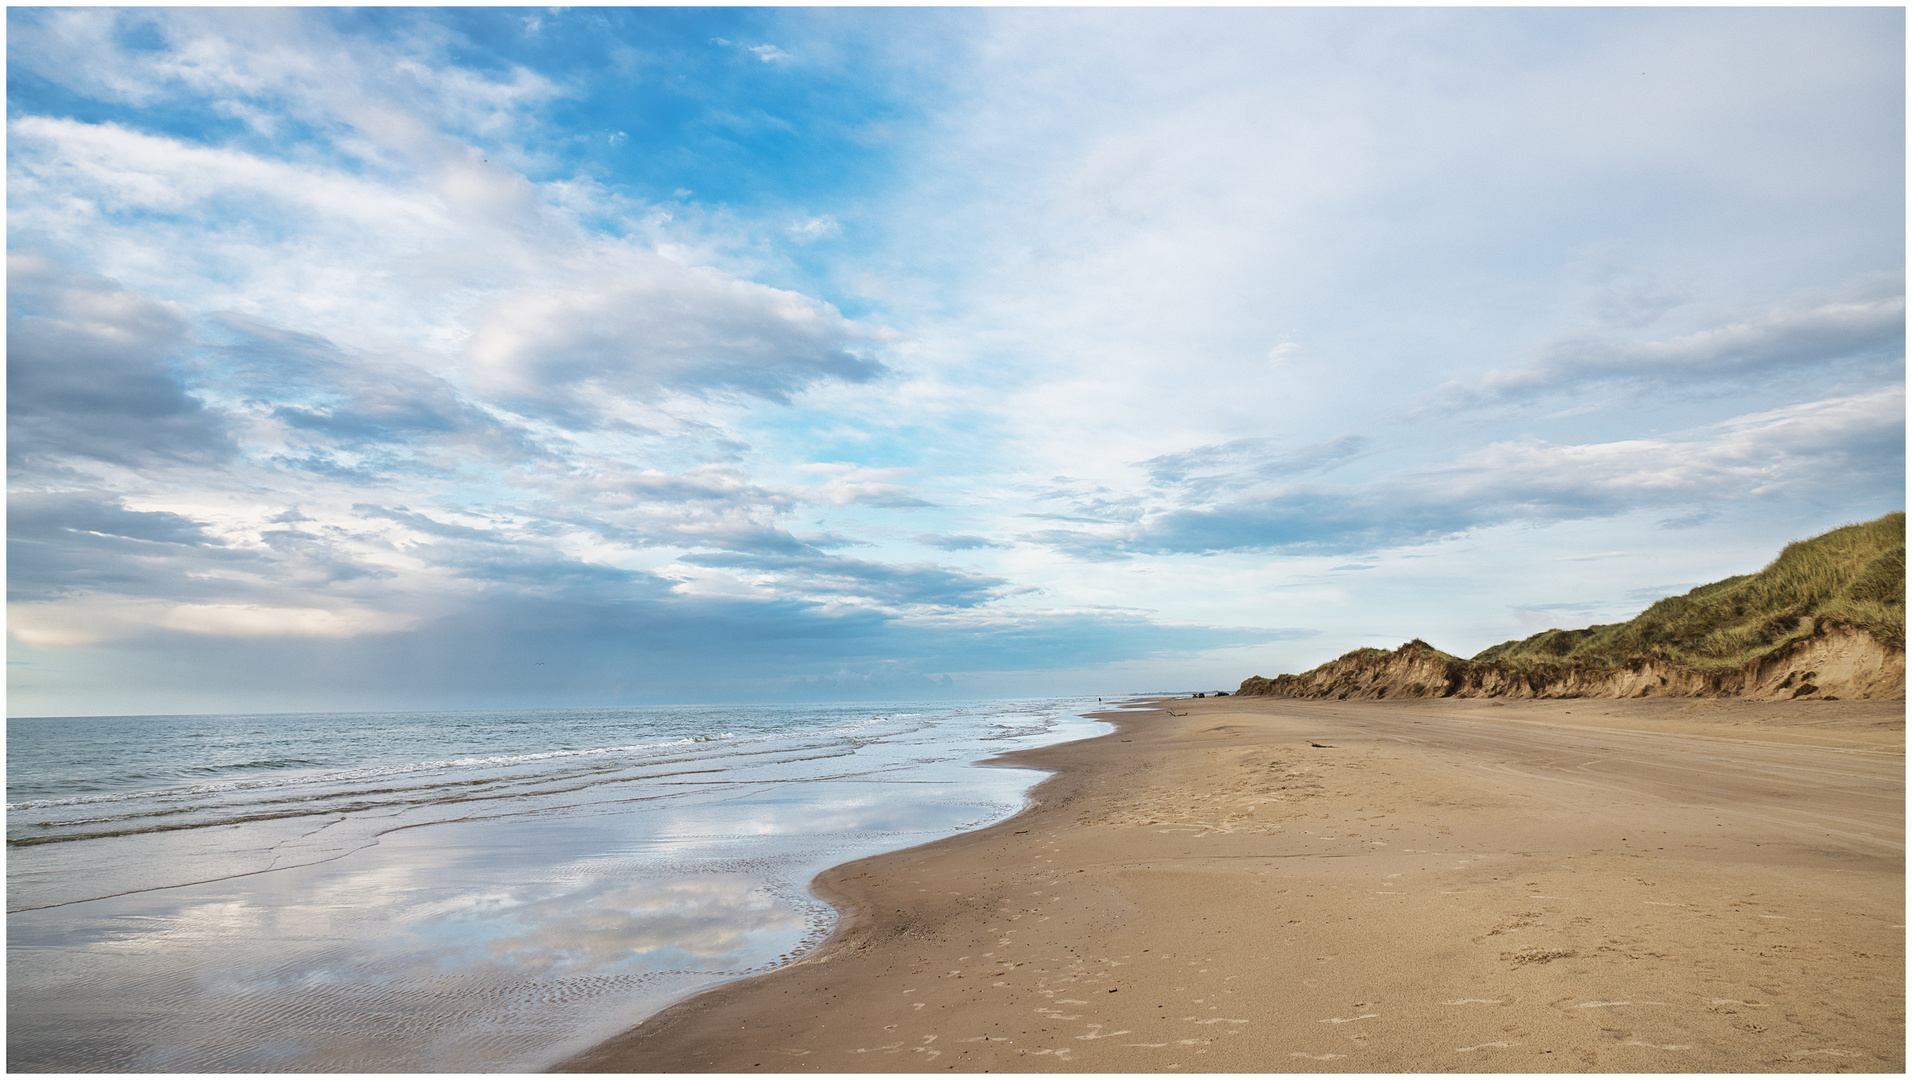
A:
816	228
290	60
1791	337
96	619
119	170
1135	217
253	620
849	483
1840	450
1832	448
462	386
660	328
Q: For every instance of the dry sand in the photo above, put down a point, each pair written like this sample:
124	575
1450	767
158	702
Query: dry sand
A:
1469	886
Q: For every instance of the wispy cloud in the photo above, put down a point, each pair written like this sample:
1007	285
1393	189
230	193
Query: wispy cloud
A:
817	576
1865	326
1837	448
815	228
767	53
1208	471
848	483
957	541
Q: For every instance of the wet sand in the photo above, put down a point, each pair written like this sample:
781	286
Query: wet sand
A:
1243	884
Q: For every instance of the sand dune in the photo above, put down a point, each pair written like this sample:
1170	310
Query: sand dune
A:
1825	620
1269	885
1835	663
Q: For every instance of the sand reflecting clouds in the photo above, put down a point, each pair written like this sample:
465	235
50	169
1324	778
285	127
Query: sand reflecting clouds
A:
477	945
458	937
583	891
707	918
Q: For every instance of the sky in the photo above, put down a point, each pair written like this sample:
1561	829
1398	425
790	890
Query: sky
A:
469	358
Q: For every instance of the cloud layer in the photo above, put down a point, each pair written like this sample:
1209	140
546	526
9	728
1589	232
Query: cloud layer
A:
1839	450
357	356
1865	327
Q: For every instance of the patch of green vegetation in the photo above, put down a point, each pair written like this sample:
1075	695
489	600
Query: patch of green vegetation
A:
1853	576
1417	646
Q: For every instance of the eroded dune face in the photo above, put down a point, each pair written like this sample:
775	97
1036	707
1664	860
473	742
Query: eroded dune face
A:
1824	620
1837	662
1843	663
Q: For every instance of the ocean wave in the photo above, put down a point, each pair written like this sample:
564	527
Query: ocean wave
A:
510	783
347	777
344	776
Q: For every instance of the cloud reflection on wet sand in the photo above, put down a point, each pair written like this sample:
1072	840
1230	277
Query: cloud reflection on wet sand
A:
495	944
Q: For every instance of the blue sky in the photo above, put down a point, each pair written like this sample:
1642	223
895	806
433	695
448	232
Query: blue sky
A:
407	358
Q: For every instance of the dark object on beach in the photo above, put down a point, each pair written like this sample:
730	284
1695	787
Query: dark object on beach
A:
1198	695
1219	693
1320	746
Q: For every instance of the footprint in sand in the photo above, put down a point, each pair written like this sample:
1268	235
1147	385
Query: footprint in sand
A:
1482	1046
1347	1019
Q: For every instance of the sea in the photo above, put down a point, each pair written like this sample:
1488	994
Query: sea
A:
449	891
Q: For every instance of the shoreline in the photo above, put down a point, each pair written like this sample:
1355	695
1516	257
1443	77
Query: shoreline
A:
461	892
857	914
1277	885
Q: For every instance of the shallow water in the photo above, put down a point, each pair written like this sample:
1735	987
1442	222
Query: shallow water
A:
453	891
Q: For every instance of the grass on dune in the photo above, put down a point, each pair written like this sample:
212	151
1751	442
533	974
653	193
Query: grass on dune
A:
1853	575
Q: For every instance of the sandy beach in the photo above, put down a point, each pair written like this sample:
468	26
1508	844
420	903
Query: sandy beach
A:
1264	885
